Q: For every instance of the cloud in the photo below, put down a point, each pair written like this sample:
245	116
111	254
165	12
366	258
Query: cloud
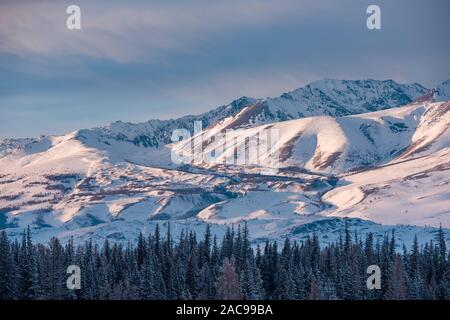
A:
143	59
132	32
227	86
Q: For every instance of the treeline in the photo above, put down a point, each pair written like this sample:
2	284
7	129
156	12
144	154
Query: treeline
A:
158	267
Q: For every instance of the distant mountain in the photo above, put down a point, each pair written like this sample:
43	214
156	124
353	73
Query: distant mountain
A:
345	149
442	92
335	98
326	97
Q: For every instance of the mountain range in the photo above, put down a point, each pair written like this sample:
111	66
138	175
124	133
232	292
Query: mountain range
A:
374	155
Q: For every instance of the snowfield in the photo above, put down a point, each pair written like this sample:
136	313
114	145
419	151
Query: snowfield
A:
374	152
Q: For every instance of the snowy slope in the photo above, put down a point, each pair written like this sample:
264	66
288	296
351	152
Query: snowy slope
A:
442	92
331	145
342	150
325	97
344	97
329	98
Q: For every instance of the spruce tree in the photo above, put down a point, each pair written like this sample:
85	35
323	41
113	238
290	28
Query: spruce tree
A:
8	279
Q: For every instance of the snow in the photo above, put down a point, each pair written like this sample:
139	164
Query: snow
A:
389	168
412	192
442	92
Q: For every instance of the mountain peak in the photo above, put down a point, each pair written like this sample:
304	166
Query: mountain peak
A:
442	91
331	97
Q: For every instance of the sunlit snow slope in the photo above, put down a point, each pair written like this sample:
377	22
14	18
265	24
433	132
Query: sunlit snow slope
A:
344	149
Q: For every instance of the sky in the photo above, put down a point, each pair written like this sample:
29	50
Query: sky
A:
138	60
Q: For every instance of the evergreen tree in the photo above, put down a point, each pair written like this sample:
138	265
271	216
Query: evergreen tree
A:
27	268
396	285
8	279
160	268
147	290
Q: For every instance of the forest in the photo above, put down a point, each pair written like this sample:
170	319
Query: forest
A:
160	267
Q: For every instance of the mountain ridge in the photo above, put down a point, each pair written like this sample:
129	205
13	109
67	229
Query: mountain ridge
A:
290	105
388	167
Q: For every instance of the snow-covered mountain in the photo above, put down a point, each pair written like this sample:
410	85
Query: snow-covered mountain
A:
335	145
442	92
374	151
335	98
325	97
369	154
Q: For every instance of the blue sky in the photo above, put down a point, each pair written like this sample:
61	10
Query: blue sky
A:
137	60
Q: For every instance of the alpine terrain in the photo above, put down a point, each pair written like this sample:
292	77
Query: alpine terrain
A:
374	155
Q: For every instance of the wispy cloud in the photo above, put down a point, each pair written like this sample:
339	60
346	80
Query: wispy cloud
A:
132	31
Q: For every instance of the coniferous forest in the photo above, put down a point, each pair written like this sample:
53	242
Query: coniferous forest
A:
161	267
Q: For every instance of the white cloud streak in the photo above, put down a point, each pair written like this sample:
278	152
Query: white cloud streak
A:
132	33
